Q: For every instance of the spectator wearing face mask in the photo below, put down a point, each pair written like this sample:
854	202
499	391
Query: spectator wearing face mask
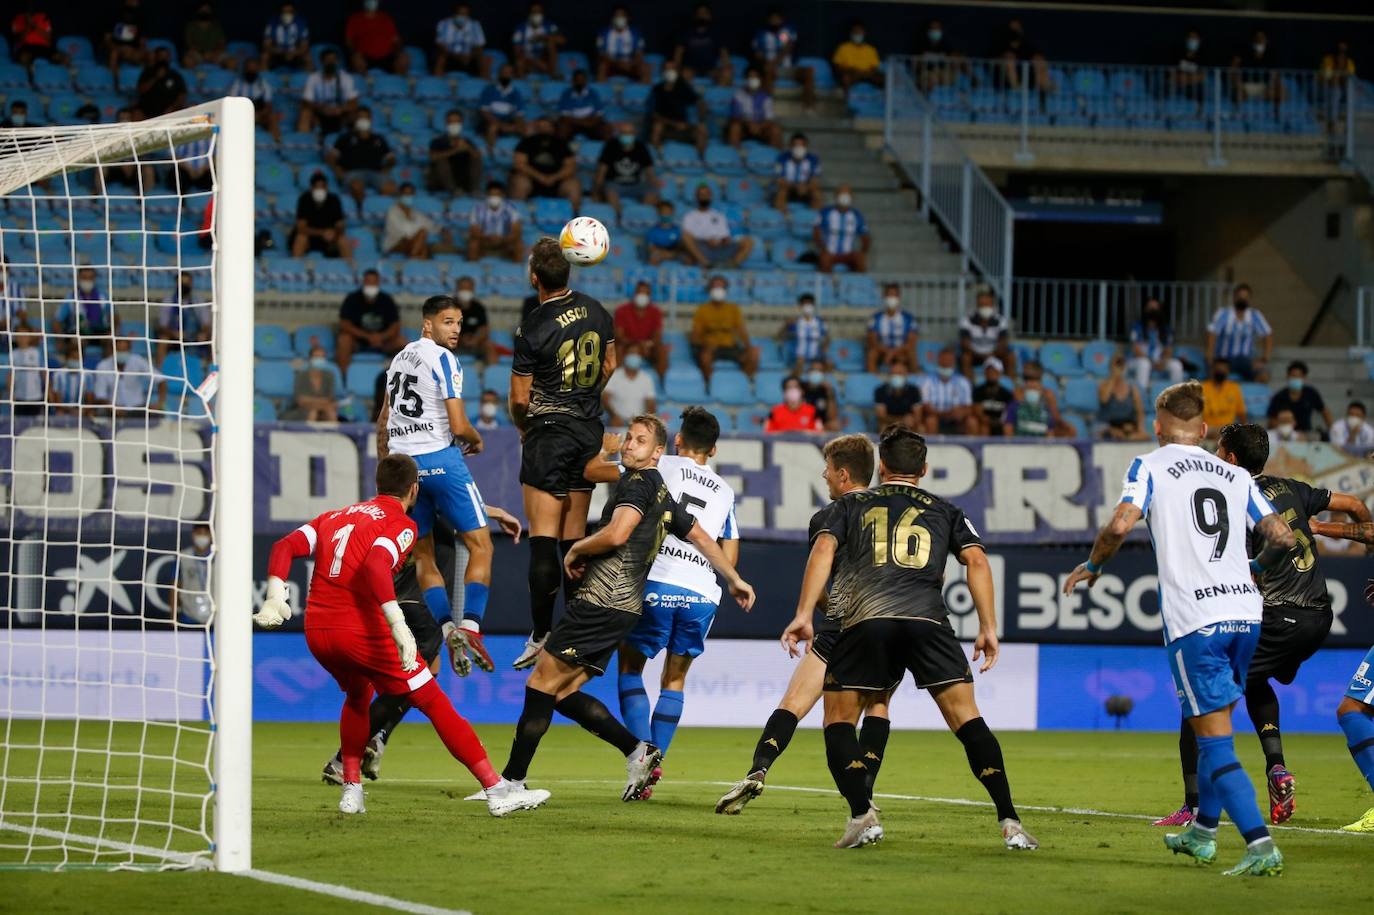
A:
991	399
856	61
676	112
700	51
252	84
315	396
1016	50
489	411
892	332
1254	71
620	49
18	116
1284	430
1223	402
494	227
947	400
625	169
706	235
203	40
898	399
455	162
805	337
66	385
474	334
1353	433
186	321
407	230
775	54
330	97
191	597
794	414
983	333
719	333
460	43
161	87
28	375
939	63
14	303
545	166
501	107
369	321
798	176
1234	334
535	44
751	113
320	223
581	110
630	392
124	41
1119	406
1034	409
1152	347
1299	398
1186	75
374	42
286	40
90	313
362	159
664	238
841	235
123	381
639	324
820	393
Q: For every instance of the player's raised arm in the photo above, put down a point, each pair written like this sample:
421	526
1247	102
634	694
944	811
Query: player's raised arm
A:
275	609
743	592
1360	530
605	466
818	566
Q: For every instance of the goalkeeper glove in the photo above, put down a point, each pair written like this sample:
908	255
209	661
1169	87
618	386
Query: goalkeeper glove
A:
275	610
401	635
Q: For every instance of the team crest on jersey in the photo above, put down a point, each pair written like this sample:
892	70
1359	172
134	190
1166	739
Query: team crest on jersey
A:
405	540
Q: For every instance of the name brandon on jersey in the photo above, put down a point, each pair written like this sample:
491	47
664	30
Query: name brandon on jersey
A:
1180	467
1223	591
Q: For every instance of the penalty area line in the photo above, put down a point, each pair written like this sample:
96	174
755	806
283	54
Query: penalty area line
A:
346	893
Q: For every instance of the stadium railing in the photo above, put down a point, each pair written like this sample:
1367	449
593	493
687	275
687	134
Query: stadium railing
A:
1106	309
1364	316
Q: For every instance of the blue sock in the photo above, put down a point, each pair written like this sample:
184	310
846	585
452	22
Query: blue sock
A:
667	713
1359	737
634	705
1230	781
436	599
1208	797
475	600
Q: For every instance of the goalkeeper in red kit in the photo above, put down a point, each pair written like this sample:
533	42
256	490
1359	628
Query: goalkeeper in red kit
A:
356	630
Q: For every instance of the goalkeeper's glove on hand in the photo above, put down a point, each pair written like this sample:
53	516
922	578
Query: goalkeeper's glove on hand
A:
401	635
275	610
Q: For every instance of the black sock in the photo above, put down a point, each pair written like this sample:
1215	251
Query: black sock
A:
546	572
1263	705
985	759
534	721
1187	759
873	742
847	767
777	734
569	585
593	715
386	713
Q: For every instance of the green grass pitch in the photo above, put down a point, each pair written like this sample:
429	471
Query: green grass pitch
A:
588	852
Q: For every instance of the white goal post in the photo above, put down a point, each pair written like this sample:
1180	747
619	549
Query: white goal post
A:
126	424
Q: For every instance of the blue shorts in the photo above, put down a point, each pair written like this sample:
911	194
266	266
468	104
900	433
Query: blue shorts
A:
446	486
1209	665
674	618
1361	687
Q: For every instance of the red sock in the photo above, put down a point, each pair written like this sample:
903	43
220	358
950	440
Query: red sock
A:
453	729
355	728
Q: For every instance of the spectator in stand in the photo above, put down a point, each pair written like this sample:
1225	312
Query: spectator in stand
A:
1034	410
1187	77
193	166
639	324
625	168
1015	50
1299	397
947	400
620	49
701	53
535	44
489	411
502	107
892	332
751	114
664	239
31	37
14	306
1337	66
581	110
897	400
672	103
1353	434
124	41
460	44
939	63
1152	347
820	393
320	225
1254	71
1119	406
27	390
374	42
841	235
135	175
252	84
985	333
1223	401
314	399
794	414
1284	430
330	98
720	333
630	392
798	174
90	313
494	227
161	87
184	322
286	40
203	40
474	335
706	234
18	115
774	47
991	399
1231	336
545	166
362	158
66	385
856	61
369	321
455	162
122	380
407	230
190	598
805	338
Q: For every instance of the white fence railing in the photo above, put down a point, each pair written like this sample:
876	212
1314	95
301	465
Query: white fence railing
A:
1364	316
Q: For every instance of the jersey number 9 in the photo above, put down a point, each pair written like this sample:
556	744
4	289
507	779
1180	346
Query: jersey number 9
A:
908	544
581	361
1213	523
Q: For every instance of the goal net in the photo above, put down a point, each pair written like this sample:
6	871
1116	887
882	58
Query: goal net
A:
126	310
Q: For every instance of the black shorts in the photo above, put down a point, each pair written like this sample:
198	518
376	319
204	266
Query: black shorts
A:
823	645
556	449
429	638
1288	636
587	635
874	655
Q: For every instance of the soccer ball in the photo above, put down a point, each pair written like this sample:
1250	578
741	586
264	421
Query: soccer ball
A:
584	241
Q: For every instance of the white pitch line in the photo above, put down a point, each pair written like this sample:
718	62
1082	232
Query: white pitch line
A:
346	893
180	858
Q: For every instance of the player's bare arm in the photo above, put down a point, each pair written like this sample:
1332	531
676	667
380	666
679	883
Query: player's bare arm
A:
1278	540
382	416
509	524
1356	509
605	467
608	363
463	430
739	588
1108	541
986	646
818	566
518	402
1359	532
610	537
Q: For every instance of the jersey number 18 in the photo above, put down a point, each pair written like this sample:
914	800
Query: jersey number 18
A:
581	361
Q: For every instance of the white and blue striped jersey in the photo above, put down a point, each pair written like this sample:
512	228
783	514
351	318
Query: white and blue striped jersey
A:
494	223
619	44
797	171
776	46
807	334
259	90
582	104
66	384
711	501
751	107
329	90
286	35
1236	331
1199	510
14	306
841	229
419	382
28	374
943	394
503	103
892	327
533	39
459	35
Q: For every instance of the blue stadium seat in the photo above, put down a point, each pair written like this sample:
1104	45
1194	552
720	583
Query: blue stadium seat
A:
722	159
634	96
215	82
49	78
1061	359
13	76
859	388
508	280
409	119
422	277
726	420
264	411
571	61
599	284
1081	394
375	207
681	158
768	383
785	253
858	291
494	378
550	213
600	211
78	48
434	89
760	160
637	217
731	386
388	86
1079	424
334	275
274	378
1097	357
683	375
361	380
757	257
772	288
847	355
550	91
322	334
1257	397
271	341
1025	352
747	191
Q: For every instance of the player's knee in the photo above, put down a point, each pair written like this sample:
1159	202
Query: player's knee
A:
1349	705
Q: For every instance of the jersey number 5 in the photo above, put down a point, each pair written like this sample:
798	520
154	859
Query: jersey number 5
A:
405	400
1303	560
1211	520
581	361
908	544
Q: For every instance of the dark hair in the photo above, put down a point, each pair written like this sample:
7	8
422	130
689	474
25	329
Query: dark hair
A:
791	378
452	111
373	271
579	72
437	303
1299	365
495	185
548	265
806	297
1181	401
902	451
1032	365
896	286
318	176
699	430
1240	286
650	421
800	136
491	392
407	184
396	473
19	103
1357	403
851	453
1248	442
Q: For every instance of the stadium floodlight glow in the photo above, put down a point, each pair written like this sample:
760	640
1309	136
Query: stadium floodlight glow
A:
125	652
